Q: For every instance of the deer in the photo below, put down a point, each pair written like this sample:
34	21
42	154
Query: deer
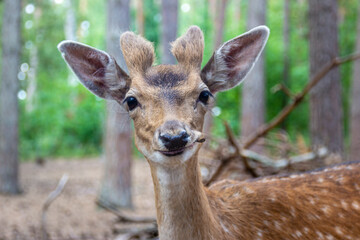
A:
167	104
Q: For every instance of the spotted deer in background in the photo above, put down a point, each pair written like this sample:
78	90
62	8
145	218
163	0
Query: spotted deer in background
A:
167	104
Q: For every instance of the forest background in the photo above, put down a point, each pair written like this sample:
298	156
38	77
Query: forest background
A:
59	117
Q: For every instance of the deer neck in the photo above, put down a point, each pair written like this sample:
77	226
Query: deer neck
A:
183	210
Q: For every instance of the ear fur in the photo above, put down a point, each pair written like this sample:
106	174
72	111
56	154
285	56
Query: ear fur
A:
138	53
230	64
96	70
188	49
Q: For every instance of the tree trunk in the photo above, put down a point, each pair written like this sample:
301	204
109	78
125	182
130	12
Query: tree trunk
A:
219	23
253	89
325	97
11	45
237	14
286	55
219	37
354	153
140	17
32	76
34	63
70	21
116	184
169	12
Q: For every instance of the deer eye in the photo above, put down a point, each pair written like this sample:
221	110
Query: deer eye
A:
204	97
131	102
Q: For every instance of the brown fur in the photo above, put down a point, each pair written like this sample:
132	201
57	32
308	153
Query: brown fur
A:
317	205
189	48
138	52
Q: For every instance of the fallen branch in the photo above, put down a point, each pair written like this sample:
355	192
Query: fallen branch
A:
297	99
49	200
123	217
224	162
282	163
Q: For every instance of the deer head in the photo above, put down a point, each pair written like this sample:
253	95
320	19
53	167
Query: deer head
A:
166	102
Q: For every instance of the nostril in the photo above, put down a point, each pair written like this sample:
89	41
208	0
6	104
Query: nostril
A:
172	142
184	135
165	138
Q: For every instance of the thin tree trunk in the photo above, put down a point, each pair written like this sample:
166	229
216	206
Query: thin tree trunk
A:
354	153
32	75
237	12
253	89
219	23
140	17
70	29
11	45
116	183
219	37
212	9
169	12
34	64
325	99
70	21
286	55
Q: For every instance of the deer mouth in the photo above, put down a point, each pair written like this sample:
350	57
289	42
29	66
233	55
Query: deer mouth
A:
176	152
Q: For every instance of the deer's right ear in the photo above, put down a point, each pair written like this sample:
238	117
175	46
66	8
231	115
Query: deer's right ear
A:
96	70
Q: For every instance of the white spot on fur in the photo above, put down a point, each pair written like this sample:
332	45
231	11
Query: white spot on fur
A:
267	213
298	233
344	204
338	230
312	201
357	187
355	205
330	237
320	180
341	215
326	210
248	190
321	236
277	225
236	194
224	227
306	230
272	197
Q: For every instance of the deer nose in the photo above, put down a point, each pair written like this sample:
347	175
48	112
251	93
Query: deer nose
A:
174	142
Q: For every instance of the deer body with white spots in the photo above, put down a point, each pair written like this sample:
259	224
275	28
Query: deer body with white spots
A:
167	104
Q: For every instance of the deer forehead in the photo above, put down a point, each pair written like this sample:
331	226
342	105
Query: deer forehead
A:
167	84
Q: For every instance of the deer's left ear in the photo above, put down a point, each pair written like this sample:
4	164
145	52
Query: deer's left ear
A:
230	64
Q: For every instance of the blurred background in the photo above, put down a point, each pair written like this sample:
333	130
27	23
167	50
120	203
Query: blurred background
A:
47	117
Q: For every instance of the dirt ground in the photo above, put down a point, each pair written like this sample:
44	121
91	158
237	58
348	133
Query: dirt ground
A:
74	214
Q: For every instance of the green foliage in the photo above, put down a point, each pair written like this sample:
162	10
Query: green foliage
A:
67	120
